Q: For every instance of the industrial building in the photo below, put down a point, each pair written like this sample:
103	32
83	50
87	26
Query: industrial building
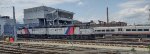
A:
6	25
47	16
99	24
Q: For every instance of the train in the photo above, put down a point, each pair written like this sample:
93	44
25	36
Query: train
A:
78	33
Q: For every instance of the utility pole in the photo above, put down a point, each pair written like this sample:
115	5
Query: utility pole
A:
15	30
149	16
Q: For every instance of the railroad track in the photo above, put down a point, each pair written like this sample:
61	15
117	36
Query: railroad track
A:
49	49
95	42
8	49
89	43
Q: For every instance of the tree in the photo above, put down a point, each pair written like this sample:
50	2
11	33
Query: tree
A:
133	50
149	48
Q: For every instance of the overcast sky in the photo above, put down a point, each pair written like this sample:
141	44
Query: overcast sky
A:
130	11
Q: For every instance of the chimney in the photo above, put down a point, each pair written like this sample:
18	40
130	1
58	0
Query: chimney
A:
107	15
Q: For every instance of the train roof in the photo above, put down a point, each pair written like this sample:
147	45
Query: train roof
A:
125	27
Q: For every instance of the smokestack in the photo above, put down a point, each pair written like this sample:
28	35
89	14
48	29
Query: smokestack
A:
107	11
107	15
15	31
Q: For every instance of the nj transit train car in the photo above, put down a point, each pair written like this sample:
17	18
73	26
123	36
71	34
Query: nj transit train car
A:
133	31
55	33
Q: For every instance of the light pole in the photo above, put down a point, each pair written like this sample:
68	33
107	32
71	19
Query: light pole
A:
72	40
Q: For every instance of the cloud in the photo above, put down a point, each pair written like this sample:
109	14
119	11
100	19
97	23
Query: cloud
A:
46	2
23	4
80	3
133	10
133	3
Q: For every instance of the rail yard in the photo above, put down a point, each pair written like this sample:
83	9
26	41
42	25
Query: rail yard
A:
57	46
48	30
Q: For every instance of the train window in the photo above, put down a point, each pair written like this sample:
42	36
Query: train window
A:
103	30
112	30
33	30
128	29
140	30
119	29
146	29
107	30
133	29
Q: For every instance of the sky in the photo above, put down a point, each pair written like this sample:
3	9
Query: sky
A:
130	11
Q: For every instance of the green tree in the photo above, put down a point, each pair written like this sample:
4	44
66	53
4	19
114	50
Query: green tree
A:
149	48
133	50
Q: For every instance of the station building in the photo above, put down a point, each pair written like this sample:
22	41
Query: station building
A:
47	16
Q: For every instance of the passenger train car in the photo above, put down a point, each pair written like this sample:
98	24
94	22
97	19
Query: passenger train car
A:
78	33
128	31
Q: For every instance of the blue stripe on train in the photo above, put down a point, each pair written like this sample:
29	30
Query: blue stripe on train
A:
68	29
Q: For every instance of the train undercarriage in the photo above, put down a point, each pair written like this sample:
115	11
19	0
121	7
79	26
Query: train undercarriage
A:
84	37
65	37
